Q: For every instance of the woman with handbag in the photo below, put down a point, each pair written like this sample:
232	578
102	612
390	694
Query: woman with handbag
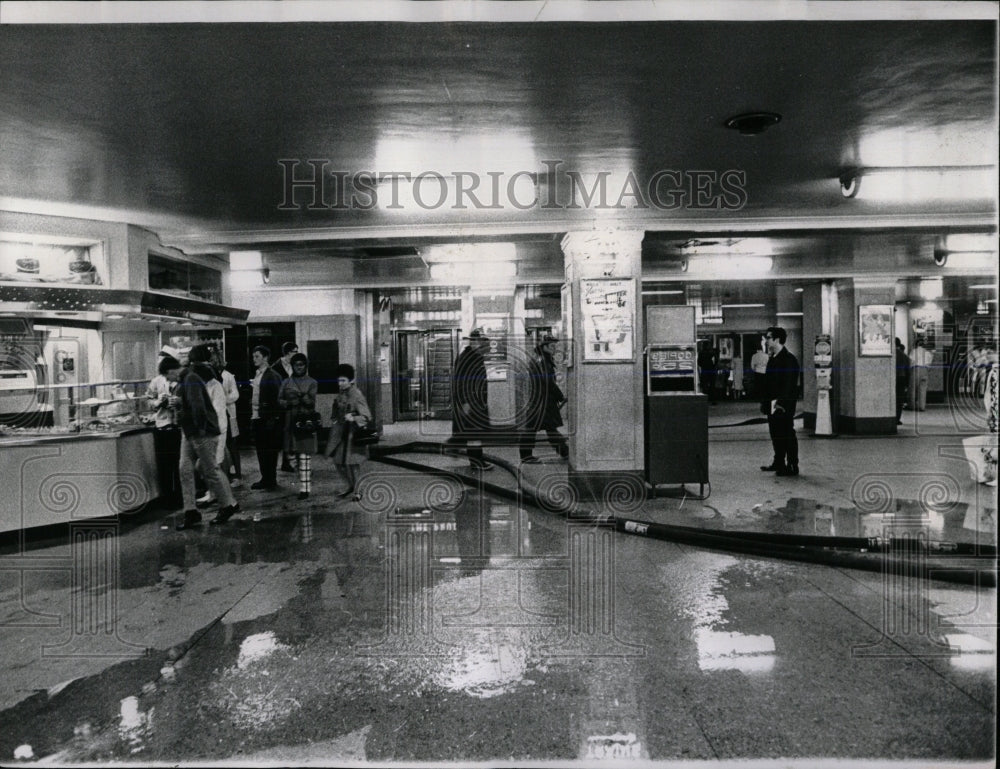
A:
350	412
298	397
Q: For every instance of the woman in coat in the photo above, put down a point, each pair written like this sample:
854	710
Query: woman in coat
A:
350	411
298	397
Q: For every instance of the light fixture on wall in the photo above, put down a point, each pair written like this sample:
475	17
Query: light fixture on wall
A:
247	270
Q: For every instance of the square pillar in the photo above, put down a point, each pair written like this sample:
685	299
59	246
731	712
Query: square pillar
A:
603	271
867	383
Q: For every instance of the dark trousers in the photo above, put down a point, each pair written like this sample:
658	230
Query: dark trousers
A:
901	390
267	442
556	438
234	451
167	448
781	426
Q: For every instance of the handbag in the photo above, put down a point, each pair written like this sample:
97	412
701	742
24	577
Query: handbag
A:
306	424
365	435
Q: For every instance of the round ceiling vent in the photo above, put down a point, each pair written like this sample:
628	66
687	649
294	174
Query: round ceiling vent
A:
753	123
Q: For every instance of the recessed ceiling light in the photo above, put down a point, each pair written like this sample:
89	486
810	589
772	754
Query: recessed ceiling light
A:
753	123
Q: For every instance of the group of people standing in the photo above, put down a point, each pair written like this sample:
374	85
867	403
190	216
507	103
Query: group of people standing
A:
196	426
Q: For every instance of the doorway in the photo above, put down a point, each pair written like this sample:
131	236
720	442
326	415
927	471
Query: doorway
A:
422	380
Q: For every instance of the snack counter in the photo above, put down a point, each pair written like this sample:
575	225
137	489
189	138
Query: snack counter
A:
99	464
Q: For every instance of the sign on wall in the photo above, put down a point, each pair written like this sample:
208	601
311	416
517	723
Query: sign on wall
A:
608	310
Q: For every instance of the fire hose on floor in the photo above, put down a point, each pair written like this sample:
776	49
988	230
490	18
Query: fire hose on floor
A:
959	562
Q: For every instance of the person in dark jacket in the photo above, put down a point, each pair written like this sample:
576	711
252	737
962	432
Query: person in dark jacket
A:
283	368
545	398
781	383
200	436
266	418
470	410
902	379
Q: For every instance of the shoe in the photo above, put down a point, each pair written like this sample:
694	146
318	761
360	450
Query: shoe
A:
345	494
257	485
207	499
235	483
303	495
788	471
356	497
899	421
191	519
224	515
287	468
771	467
531	460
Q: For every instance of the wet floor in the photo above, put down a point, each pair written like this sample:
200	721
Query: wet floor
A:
434	622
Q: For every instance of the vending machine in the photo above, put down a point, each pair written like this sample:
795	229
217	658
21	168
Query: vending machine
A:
676	414
823	360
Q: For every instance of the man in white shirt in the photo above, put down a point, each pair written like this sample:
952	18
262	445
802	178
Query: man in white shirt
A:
758	362
167	434
920	363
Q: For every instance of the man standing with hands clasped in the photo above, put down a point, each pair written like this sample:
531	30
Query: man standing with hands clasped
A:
781	387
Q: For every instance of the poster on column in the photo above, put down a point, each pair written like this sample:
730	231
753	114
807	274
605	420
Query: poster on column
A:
608	310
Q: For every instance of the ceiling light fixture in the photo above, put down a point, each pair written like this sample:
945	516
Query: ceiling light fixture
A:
740	306
733	266
753	123
919	183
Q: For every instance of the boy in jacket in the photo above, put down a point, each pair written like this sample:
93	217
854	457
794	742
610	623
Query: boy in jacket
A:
199	438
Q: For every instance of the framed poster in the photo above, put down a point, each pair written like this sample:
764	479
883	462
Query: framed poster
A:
566	298
875	330
607	308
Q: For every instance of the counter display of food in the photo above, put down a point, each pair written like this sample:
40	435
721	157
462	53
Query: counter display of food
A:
61	475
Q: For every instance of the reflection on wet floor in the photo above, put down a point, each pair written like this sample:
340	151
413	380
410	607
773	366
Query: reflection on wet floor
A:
951	521
468	628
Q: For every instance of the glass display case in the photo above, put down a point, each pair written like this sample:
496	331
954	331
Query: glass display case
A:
66	409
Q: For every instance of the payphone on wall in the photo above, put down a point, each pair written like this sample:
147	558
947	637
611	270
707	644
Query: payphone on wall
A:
676	414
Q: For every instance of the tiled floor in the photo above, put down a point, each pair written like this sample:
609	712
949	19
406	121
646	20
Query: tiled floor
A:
331	631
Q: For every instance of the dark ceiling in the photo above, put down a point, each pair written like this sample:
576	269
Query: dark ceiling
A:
184	125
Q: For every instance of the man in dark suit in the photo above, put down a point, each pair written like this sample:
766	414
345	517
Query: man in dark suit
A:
267	418
470	409
781	388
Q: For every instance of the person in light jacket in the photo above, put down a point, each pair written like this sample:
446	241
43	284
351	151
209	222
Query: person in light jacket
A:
298	397
232	393
350	410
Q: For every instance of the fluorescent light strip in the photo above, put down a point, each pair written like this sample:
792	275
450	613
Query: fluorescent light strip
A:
668	293
739	306
788	314
986	286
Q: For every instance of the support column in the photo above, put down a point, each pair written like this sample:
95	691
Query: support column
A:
604	383
867	384
818	314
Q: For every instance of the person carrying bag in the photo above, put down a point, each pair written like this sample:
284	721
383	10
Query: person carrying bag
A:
298	397
350	414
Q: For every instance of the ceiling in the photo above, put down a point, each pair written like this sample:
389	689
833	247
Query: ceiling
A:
181	127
